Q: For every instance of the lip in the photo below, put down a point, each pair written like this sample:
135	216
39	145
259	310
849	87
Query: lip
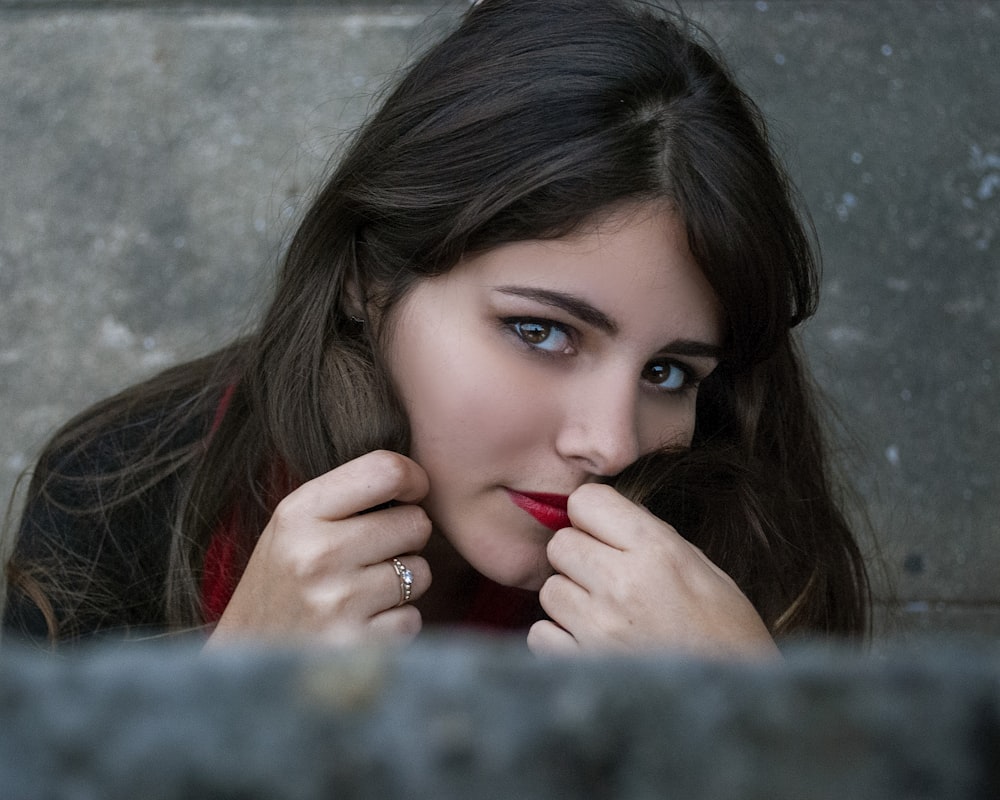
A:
548	509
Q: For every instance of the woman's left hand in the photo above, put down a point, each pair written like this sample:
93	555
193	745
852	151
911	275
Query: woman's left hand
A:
626	581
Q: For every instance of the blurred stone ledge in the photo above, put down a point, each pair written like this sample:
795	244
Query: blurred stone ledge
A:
208	5
485	719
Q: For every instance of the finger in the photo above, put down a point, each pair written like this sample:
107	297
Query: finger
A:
402	623
413	574
368	592
379	535
547	638
579	556
601	511
396	625
319	549
564	601
368	481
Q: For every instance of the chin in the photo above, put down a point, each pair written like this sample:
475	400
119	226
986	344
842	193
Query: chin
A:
528	576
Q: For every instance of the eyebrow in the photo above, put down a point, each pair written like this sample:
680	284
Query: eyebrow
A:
587	313
569	303
694	349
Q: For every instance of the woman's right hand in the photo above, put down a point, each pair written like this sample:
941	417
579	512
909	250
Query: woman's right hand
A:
322	572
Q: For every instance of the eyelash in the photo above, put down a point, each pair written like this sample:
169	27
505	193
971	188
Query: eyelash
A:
517	325
691	380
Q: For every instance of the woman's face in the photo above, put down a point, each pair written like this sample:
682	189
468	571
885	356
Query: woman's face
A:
538	366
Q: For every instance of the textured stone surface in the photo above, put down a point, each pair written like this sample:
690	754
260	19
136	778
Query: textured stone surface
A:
447	720
155	155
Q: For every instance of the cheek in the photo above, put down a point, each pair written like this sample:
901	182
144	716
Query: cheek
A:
675	429
463	406
468	444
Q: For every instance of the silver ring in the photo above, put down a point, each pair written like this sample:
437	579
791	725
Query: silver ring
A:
405	581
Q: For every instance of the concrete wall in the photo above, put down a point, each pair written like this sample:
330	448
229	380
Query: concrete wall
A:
155	154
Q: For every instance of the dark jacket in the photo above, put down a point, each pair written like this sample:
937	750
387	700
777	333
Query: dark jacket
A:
100	562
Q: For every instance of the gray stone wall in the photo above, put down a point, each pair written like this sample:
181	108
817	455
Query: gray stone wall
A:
155	156
452	721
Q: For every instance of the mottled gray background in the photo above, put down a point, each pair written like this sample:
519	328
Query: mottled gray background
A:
155	155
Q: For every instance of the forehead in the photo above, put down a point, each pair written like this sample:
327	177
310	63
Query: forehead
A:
630	263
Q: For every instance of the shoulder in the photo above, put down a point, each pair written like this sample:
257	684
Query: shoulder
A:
93	541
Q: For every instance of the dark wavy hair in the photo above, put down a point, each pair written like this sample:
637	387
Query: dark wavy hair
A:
530	119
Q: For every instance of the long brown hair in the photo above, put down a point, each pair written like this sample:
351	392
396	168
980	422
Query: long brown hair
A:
528	120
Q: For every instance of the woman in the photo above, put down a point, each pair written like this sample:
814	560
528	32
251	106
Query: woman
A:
551	285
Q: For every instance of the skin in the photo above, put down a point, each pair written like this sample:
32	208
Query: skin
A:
320	571
538	366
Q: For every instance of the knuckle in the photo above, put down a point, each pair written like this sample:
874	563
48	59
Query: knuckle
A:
417	521
410	621
331	605
289	509
558	545
627	592
537	635
673	554
301	570
390	467
306	567
407	525
591	493
593	489
301	504
550	592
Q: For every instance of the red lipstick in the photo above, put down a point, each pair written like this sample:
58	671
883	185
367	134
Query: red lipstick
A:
548	509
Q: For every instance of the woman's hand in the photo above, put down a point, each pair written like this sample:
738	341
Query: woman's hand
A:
322	570
626	581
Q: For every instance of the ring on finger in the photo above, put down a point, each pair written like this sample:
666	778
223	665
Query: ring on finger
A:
405	581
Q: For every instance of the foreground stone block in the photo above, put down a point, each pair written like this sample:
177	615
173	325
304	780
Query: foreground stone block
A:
459	719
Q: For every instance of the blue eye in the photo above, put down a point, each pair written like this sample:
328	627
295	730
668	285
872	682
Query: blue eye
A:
667	376
542	335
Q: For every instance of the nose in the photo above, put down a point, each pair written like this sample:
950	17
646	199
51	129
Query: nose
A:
600	428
